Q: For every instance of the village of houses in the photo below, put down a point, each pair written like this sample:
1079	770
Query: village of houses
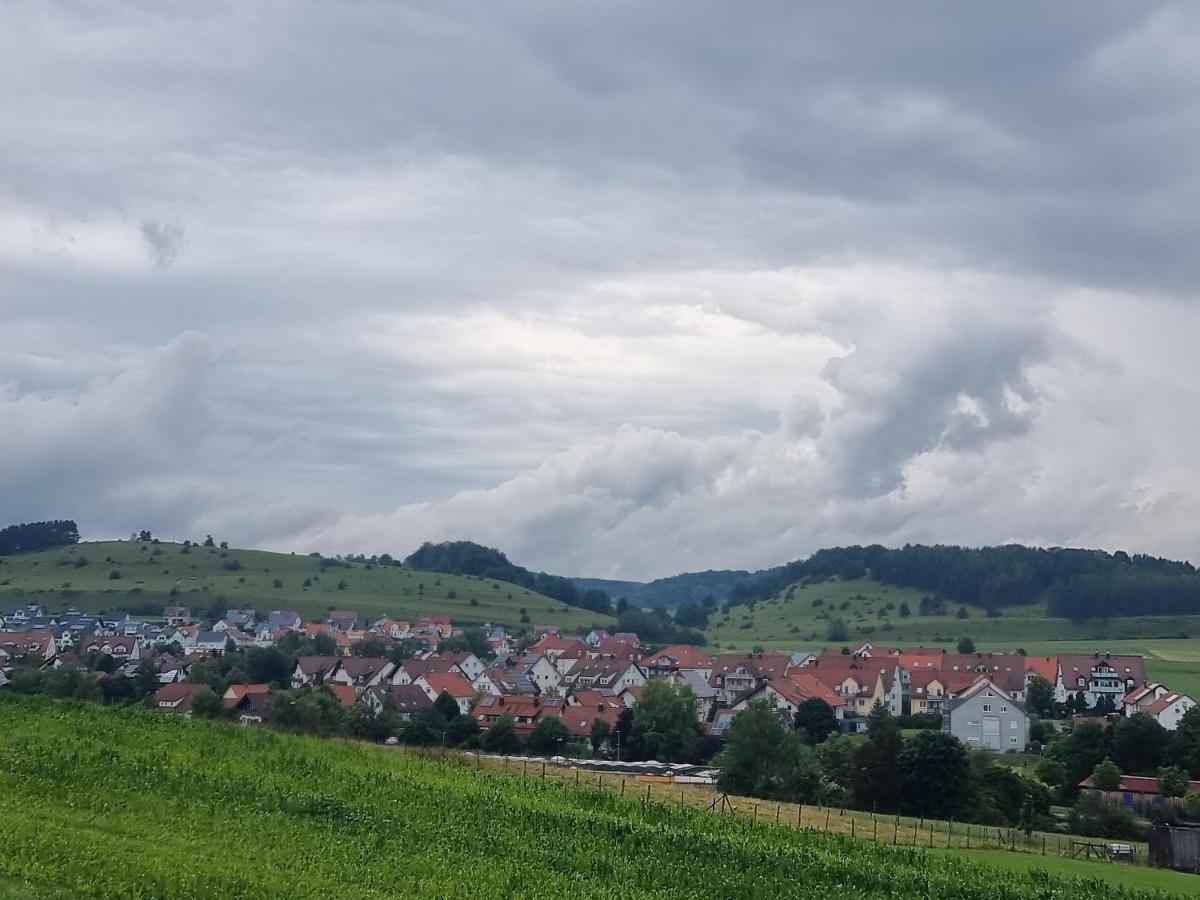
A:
980	696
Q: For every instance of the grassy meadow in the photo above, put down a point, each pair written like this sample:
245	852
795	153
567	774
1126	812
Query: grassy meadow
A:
130	803
80	575
799	619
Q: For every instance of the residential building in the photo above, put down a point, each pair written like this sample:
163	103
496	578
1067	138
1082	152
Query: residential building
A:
453	683
1098	675
984	715
177	698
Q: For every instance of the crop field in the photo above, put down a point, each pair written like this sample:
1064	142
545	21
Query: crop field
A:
81	575
800	616
132	803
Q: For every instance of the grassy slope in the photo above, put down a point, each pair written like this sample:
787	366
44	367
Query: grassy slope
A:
202	577
793	622
131	803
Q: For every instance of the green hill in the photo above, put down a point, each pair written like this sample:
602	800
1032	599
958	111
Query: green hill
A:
802	616
81	575
134	803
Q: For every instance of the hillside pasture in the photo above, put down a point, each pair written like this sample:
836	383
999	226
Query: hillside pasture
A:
800	617
151	575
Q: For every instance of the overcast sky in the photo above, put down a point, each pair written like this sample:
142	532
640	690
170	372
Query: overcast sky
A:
624	289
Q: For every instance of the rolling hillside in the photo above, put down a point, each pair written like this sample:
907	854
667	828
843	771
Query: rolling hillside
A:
134	803
81	575
799	617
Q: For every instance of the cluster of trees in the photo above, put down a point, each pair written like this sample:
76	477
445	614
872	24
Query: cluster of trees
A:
1077	583
712	586
31	536
100	683
657	627
469	558
931	774
1133	745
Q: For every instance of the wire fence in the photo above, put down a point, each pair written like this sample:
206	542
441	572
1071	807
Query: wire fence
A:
861	825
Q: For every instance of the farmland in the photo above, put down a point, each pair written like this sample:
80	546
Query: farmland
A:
81	575
131	803
799	617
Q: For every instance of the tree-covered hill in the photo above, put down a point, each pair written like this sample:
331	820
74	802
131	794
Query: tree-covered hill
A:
669	592
469	558
1074	583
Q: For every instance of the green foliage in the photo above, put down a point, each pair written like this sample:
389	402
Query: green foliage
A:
1172	781
1106	776
1139	744
114	804
965	645
1039	698
1050	772
664	722
1080	752
815	720
874	783
934	775
762	759
1185	742
206	704
1093	816
502	737
33	536
549	736
446	706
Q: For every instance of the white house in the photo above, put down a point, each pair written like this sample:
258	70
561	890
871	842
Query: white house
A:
1168	709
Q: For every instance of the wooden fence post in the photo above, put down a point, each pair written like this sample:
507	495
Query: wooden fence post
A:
800	816
622	787
776	813
827	811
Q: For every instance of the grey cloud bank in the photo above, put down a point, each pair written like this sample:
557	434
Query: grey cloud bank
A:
622	290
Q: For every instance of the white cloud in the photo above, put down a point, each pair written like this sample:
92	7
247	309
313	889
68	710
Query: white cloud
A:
617	297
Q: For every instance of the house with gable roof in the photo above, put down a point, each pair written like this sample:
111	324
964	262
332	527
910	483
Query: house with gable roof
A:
1098	675
985	715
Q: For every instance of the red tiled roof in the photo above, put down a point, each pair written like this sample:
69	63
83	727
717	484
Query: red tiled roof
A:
1046	666
525	710
682	656
1137	784
345	693
451	683
799	686
1163	702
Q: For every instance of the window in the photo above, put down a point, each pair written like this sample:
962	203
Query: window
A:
1003	709
1012	740
1013	724
987	707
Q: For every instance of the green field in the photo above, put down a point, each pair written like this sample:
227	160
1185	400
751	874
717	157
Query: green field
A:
799	618
131	803
245	578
